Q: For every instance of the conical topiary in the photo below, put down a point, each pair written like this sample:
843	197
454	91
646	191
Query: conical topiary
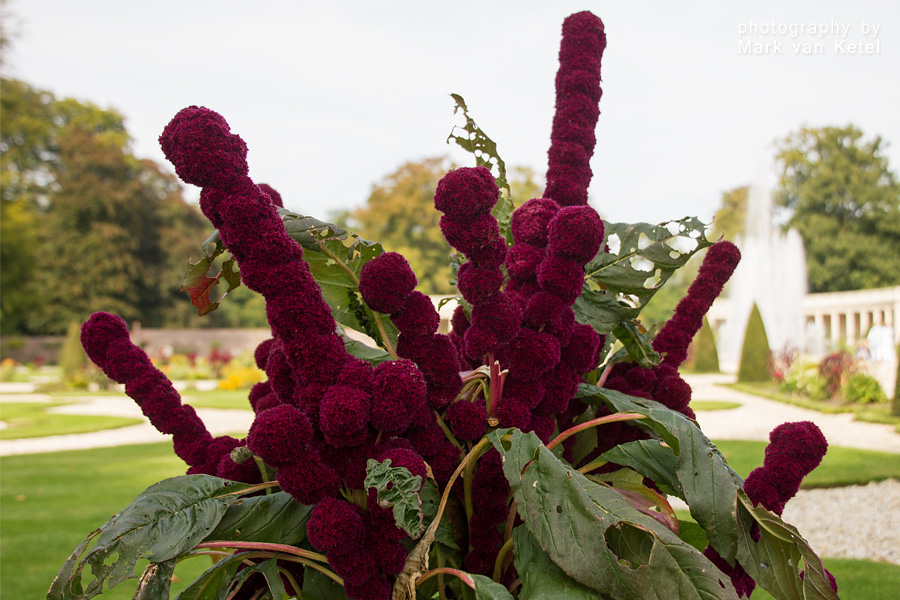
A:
895	404
754	366
705	357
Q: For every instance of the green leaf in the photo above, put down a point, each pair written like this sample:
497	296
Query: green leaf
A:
488	589
630	484
269	570
199	285
274	518
594	534
431	499
775	560
336	258
155	581
693	534
397	488
317	586
365	352
541	578
620	283
708	483
215	582
639	348
484	149
164	521
651	459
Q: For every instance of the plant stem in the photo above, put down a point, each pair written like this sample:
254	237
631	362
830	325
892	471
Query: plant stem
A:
510	520
592	466
471	459
465	577
593	423
266	546
447	432
505	549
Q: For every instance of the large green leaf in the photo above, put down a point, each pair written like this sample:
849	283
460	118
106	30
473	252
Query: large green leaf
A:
596	536
642	257
274	518
652	460
317	586
164	521
541	578
488	589
213	584
155	581
717	501
397	488
708	484
775	560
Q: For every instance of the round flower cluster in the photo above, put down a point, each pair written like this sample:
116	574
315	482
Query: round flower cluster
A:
794	450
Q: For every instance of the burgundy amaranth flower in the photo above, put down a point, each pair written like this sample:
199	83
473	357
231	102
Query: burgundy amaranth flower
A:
532	354
344	416
278	435
399	391
106	341
673	339
272	193
562	277
477	284
479	342
580	354
261	354
386	281
576	232
500	314
417	315
522	261
408	459
335	524
467	420
577	94
466	192
470	235
308	480
530	221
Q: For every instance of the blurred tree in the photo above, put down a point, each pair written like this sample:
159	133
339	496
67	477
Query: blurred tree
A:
85	225
730	219
844	201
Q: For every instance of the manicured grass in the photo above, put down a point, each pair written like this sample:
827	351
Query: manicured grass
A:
235	399
50	502
869	413
713	405
31	419
858	579
841	466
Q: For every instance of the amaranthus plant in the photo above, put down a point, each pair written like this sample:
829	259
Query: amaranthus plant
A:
529	453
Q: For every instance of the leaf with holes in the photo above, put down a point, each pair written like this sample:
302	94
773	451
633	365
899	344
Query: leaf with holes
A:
641	259
596	536
397	488
275	518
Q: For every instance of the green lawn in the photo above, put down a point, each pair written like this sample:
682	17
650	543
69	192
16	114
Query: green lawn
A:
841	466
31	419
236	399
713	405
50	502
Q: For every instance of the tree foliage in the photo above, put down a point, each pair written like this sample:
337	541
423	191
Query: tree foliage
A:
730	219
78	207
844	200
400	214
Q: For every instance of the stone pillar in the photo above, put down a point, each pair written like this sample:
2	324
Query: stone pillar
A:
851	327
865	322
834	333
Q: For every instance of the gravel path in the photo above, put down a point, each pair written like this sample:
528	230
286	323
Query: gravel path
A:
849	522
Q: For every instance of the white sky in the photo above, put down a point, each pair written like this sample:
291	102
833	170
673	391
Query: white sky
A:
333	96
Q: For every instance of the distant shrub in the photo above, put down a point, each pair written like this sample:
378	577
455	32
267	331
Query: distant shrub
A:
803	378
836	369
72	359
705	357
862	389
754	365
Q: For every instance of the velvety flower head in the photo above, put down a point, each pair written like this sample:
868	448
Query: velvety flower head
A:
390	555
532	354
386	281
512	413
543	426
273	195
562	277
199	143
245	472
399	391
500	314
124	360
408	459
355	565
560	388
375	588
542	309
576	232
414	347
459	322
522	288
192	449
472	234
466	192
278	435
583	40
479	342
357	373
467	420
530	221
674	392
97	333
581	351
522	261
529	393
441	366
308	480
417	315
801	441
477	284
335	524
490	256
344	416
261	354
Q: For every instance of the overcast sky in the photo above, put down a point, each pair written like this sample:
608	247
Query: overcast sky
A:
332	96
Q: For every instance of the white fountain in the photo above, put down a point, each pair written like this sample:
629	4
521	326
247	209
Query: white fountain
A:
772	273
